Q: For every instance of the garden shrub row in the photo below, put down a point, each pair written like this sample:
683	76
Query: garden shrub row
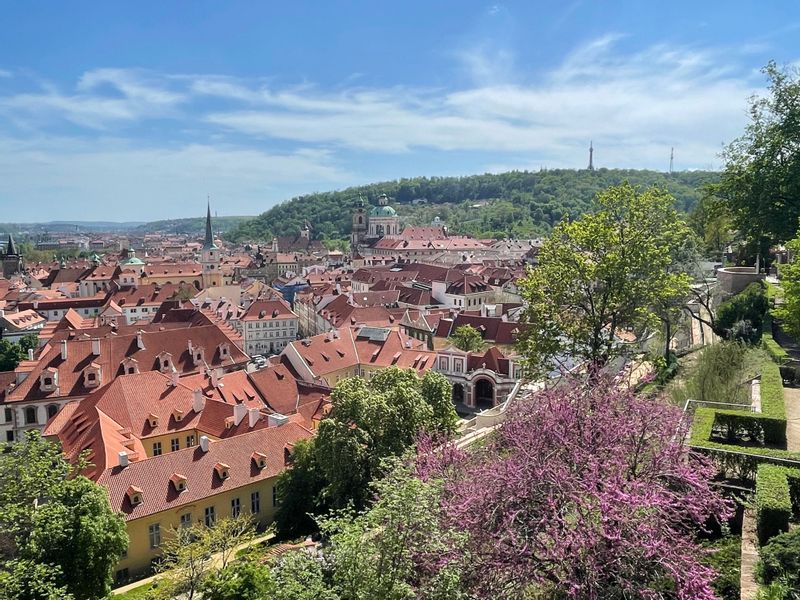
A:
773	348
767	427
776	499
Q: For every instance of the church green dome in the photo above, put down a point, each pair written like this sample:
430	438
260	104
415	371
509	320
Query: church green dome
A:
383	211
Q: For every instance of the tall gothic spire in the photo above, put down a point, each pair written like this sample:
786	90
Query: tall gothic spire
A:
209	241
11	248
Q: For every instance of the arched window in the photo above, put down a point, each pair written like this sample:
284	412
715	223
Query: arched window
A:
360	220
30	415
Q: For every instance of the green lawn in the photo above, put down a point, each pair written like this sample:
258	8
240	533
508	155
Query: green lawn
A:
137	593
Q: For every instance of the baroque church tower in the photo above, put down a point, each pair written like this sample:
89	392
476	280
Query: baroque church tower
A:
211	258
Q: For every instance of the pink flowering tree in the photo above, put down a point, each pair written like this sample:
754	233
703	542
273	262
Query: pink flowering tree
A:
585	492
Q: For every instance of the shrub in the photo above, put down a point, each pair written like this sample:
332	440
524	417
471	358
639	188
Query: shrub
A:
742	316
775	351
780	561
773	502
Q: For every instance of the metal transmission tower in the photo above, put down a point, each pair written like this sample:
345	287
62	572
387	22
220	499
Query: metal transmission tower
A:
671	159
591	157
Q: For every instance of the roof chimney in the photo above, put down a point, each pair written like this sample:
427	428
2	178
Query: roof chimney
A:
204	443
30	353
214	378
277	419
96	346
123	459
198	401
252	417
174	376
191	347
64	350
239	411
139	340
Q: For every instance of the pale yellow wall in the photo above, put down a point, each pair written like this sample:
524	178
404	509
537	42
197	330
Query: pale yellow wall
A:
139	552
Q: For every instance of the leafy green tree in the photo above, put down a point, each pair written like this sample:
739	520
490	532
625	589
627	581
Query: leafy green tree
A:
246	580
789	310
11	353
300	492
299	576
600	274
25	579
373	420
188	555
50	515
741	317
761	181
467	338
77	531
379	553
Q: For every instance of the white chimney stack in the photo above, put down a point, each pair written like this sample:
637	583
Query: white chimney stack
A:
252	417
191	347
139	340
214	378
123	459
198	401
174	376
204	443
96	346
239	412
30	353
64	350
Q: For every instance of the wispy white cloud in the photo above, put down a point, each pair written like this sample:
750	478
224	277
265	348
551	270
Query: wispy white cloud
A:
101	98
245	136
660	96
110	178
6	74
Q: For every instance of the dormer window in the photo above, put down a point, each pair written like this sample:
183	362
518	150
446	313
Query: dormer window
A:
48	380
178	482
224	350
165	362
198	356
130	366
152	420
91	376
177	414
223	470
260	459
134	495
229	422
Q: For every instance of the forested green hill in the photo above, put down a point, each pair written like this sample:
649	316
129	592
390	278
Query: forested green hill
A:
514	204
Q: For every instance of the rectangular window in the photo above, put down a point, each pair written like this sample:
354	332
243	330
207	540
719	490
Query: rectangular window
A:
211	516
236	507
255	503
9	436
189	441
274	495
175	444
156	448
155	535
186	521
9	415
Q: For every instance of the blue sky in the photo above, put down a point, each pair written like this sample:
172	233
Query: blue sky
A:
138	110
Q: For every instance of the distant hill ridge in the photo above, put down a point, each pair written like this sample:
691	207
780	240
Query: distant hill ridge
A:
513	204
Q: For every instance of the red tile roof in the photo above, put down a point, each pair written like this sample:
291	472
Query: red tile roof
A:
202	481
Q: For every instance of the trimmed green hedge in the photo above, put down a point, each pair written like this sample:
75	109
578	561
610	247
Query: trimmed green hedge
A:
774	349
773	502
